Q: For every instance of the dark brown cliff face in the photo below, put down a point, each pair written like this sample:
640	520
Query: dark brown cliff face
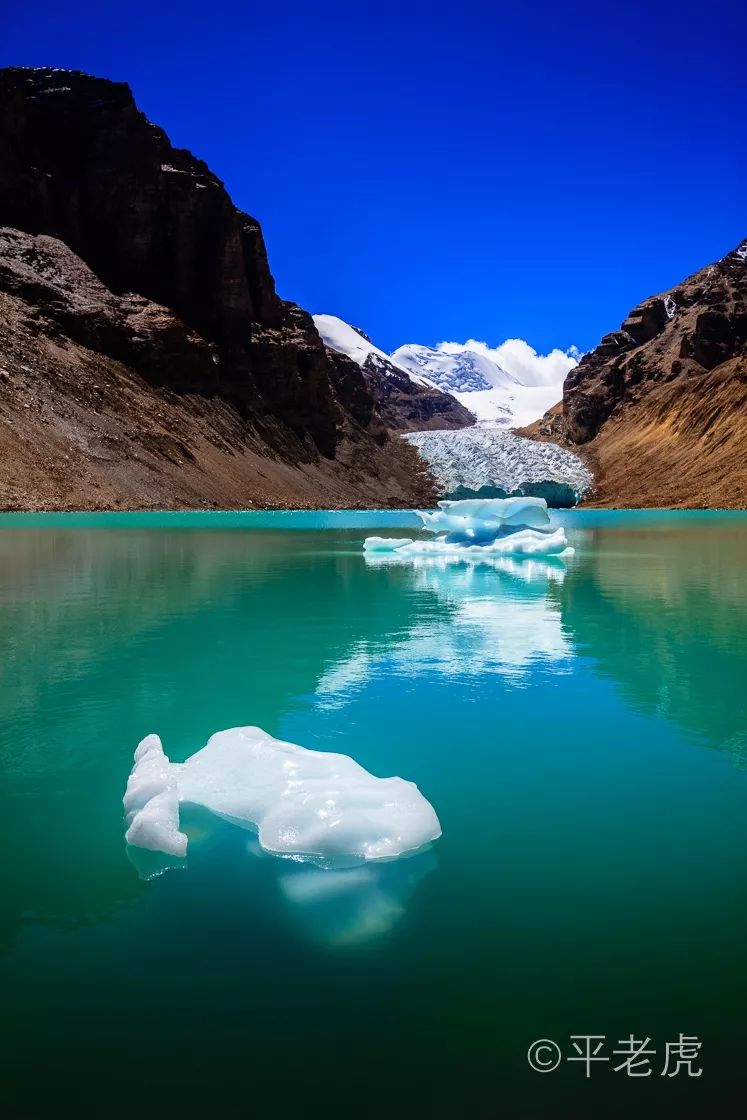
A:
81	163
87	422
660	406
119	244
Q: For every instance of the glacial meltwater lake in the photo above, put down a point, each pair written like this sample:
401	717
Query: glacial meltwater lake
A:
580	728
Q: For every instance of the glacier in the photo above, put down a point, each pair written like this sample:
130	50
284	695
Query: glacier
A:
308	806
491	462
513	408
481	529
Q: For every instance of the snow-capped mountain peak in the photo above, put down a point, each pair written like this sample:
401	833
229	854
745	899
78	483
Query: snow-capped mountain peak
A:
510	385
405	399
340	336
463	372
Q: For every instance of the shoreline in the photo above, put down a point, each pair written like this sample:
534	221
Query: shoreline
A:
227	511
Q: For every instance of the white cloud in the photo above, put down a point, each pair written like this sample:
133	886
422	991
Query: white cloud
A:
521	360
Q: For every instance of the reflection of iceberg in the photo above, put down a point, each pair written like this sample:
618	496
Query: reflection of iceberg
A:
310	806
355	905
478	529
486	625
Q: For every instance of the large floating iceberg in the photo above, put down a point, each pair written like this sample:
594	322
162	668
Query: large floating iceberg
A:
481	528
309	806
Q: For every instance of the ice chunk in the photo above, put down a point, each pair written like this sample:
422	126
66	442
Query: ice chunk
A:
385	544
306	805
480	528
156	826
480	520
151	802
523	542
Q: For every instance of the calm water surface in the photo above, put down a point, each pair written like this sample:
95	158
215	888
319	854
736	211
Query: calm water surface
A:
581	730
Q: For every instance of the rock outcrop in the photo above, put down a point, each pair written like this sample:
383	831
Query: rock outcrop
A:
405	401
659	408
409	406
137	298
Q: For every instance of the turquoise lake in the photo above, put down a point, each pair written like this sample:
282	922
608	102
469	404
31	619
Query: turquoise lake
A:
580	728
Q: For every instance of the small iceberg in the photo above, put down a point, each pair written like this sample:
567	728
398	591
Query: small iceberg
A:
308	806
481	528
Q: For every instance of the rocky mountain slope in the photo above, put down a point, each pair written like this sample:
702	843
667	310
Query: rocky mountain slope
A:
145	357
659	408
405	400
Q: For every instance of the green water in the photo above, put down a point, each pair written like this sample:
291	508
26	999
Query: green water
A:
581	731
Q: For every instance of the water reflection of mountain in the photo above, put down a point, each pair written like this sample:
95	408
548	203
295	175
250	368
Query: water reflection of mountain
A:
491	618
662	611
86	613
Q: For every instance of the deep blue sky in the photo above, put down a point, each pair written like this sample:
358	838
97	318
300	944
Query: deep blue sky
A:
436	171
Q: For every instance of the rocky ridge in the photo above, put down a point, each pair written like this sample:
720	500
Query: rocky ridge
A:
404	400
659	408
145	356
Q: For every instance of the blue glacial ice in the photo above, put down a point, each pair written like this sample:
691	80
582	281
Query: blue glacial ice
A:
308	806
481	528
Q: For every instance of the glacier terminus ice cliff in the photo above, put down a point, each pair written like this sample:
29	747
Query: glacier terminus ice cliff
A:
308	806
487	461
481	529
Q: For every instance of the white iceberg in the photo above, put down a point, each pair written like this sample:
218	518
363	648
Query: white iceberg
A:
151	802
481	528
309	806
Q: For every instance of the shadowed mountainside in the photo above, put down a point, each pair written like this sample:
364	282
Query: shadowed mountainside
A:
411	406
145	357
